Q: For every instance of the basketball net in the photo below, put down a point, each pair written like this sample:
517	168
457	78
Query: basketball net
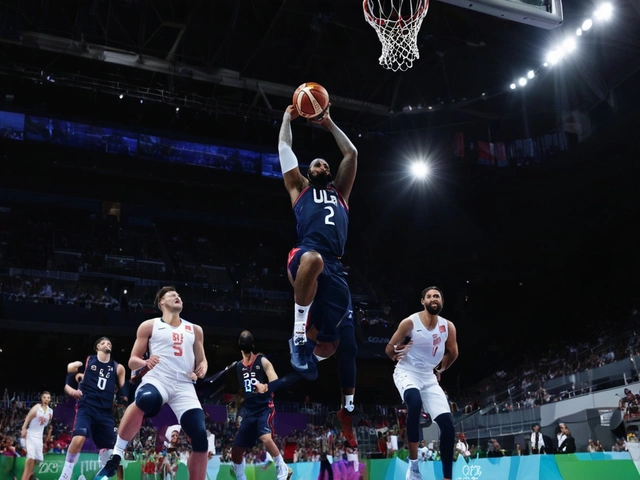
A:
397	23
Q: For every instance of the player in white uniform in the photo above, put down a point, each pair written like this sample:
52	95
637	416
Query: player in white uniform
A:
425	345
33	430
176	360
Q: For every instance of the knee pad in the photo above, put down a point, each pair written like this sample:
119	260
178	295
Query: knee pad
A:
149	400
80	432
192	422
414	407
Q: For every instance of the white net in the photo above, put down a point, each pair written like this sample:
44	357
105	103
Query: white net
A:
397	23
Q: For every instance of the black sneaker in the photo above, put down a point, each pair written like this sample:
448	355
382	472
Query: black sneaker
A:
109	469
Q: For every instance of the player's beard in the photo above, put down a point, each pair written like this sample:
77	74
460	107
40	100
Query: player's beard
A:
434	309
107	350
320	179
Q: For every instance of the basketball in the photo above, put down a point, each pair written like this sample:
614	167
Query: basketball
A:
311	100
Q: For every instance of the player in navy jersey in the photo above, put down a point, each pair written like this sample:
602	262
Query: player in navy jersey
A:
257	421
323	321
100	377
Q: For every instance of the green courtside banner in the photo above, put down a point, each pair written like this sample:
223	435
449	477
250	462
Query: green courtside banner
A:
51	467
580	466
596	466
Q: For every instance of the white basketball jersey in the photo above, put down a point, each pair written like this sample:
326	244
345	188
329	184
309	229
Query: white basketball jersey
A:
174	346
39	422
428	346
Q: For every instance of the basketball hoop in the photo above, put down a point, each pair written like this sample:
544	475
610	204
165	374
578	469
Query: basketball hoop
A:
397	23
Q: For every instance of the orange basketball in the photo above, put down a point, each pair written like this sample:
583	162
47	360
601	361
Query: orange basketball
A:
311	100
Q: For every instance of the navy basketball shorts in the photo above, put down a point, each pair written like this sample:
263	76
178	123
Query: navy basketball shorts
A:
97	424
331	308
253	426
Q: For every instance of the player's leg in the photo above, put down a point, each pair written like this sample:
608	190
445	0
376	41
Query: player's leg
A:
304	267
104	437
81	428
409	386
148	401
29	464
184	402
35	455
193	424
266	432
245	438
435	402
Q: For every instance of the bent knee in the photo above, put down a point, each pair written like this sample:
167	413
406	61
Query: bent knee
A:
312	259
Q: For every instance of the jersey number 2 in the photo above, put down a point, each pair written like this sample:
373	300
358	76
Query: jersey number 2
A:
327	219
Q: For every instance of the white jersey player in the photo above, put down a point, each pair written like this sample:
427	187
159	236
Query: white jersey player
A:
33	427
425	345
176	360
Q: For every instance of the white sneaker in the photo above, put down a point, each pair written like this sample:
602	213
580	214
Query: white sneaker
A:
284	472
413	474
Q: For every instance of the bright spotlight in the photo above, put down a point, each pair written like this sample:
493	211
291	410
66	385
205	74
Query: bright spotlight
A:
604	12
419	169
121	96
587	24
569	45
579	32
512	86
531	74
522	82
554	56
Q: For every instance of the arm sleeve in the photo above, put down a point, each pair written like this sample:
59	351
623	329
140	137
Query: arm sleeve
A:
288	159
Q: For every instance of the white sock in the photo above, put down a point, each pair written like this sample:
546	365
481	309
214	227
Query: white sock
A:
413	464
300	322
348	403
279	460
69	462
238	468
120	447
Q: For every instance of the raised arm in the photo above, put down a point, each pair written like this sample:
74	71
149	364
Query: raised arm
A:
269	370
346	175
294	181
201	366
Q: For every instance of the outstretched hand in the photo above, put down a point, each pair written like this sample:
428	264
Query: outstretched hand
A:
324	118
293	111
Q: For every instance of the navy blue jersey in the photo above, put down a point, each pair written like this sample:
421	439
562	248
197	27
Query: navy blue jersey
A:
99	383
323	220
248	376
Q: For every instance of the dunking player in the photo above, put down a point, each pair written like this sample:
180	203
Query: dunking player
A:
176	360
101	377
33	427
257	421
421	343
323	322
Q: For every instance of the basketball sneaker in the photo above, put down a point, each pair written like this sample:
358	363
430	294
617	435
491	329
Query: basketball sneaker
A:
347	428
110	468
301	361
284	472
413	474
